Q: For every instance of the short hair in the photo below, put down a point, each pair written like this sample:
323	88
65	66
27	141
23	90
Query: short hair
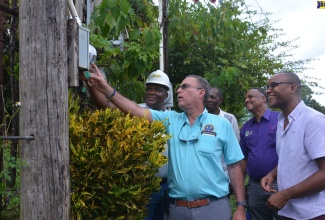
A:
203	83
293	78
219	90
263	92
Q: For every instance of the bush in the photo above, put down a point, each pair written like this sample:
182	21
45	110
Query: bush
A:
9	188
113	161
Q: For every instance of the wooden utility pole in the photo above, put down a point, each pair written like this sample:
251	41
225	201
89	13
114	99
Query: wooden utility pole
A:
45	187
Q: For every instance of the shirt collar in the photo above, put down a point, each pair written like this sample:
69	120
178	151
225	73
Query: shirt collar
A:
266	115
296	111
200	119
144	105
221	113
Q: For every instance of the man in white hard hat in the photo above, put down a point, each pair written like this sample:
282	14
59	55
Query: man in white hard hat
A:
157	87
158	96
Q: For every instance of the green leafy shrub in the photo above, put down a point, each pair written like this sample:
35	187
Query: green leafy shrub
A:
113	161
9	196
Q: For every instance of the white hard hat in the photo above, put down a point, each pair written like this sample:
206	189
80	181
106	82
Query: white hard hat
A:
159	77
92	54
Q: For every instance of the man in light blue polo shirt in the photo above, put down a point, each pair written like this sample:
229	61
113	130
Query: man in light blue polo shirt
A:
198	186
195	169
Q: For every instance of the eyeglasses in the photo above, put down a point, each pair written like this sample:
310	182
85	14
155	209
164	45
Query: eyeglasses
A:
185	86
191	140
272	85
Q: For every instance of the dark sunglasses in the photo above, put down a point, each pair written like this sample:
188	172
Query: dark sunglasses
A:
191	140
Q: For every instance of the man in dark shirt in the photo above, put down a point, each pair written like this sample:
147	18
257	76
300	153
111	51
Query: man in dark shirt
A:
258	141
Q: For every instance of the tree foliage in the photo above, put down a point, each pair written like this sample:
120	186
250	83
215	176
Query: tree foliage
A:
306	96
9	120
136	20
219	42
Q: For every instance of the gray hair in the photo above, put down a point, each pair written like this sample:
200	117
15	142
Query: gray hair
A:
262	91
204	84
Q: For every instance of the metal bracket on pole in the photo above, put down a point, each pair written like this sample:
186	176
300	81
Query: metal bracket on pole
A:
17	138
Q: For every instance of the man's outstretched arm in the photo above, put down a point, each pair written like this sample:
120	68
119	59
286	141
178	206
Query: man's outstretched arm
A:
98	82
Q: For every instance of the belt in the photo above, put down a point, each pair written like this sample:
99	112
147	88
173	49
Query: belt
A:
163	180
193	203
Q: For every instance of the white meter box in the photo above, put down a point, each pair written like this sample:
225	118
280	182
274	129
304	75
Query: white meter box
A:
83	37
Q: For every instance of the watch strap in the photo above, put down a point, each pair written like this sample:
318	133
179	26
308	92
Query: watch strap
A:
242	203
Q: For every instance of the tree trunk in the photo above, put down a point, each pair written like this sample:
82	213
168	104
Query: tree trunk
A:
45	186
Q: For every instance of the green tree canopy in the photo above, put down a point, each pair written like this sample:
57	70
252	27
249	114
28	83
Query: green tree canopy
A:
219	42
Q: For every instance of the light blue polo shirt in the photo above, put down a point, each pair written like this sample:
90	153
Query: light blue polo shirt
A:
194	158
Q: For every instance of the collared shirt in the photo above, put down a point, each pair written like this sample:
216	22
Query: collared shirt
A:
194	165
233	121
298	146
258	143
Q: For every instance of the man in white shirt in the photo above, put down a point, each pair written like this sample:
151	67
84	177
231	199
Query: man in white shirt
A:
300	144
213	107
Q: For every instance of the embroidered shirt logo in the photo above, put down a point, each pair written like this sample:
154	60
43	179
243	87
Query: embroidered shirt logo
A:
247	133
208	129
273	127
228	117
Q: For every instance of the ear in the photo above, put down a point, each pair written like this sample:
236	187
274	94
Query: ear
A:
202	92
167	96
221	100
294	88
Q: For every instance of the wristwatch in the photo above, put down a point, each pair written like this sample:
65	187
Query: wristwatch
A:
243	203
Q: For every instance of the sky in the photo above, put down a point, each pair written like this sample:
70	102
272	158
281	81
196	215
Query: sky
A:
302	19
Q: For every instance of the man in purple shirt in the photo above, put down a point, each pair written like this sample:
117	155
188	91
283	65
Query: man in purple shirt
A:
258	141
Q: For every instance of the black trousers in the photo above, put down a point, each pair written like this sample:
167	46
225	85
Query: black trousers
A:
257	198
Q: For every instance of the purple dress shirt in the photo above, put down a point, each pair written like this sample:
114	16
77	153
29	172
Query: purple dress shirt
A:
258	143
